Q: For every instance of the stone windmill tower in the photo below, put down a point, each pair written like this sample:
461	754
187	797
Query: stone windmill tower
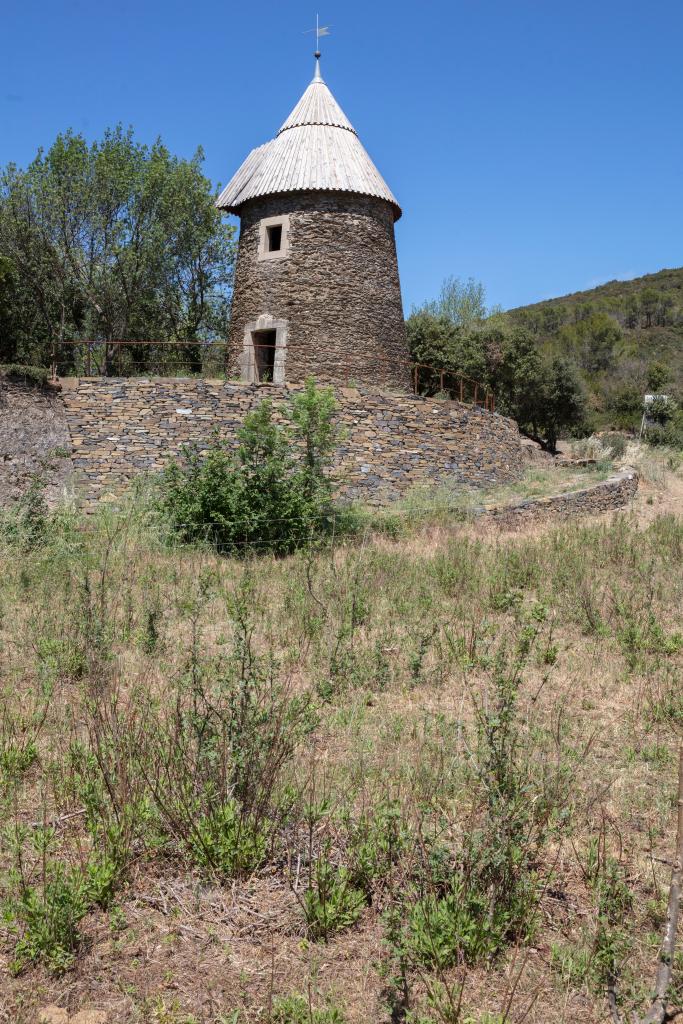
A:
317	290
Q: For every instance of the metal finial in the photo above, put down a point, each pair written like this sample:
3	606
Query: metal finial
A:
320	32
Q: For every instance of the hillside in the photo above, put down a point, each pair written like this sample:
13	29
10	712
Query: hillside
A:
626	336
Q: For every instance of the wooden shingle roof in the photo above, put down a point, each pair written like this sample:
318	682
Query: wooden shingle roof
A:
316	149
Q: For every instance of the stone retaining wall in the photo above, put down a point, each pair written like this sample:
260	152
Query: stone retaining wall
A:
34	441
123	427
608	495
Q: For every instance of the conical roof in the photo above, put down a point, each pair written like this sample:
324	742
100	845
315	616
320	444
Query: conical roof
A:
316	149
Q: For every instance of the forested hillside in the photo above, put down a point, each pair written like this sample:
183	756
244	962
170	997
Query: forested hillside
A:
570	365
626	337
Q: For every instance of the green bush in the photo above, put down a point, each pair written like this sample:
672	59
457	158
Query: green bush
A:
272	493
35	375
331	901
442	929
23	524
668	435
45	917
616	441
228	843
662	410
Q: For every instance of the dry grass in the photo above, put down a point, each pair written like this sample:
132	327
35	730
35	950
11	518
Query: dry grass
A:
392	641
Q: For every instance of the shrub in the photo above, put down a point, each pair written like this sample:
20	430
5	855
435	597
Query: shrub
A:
443	929
24	523
273	493
228	843
617	442
296	1009
668	435
662	410
331	901
35	375
376	842
46	916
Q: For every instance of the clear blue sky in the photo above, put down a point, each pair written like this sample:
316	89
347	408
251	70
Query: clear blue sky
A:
536	145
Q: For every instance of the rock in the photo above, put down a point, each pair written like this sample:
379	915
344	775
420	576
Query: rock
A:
89	1017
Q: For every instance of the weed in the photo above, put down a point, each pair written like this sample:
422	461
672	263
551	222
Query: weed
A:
297	1009
331	901
225	842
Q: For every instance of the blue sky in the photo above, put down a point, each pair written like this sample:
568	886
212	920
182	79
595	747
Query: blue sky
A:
536	145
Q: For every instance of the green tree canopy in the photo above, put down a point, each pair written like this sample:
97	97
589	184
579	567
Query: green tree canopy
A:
593	340
544	394
113	240
461	302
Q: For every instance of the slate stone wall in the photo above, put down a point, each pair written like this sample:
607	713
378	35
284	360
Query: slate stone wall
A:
338	289
120	428
34	441
606	496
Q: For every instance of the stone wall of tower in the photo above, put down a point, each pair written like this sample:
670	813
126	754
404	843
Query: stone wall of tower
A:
337	288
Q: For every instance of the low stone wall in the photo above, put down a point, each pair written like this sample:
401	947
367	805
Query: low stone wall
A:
34	441
123	427
608	495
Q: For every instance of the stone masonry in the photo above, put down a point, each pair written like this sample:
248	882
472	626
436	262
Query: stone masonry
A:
121	428
336	289
607	496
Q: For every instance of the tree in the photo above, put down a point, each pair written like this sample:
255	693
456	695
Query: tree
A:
7	348
594	340
649	300
432	340
564	400
545	396
664	310
632	311
461	302
115	240
657	376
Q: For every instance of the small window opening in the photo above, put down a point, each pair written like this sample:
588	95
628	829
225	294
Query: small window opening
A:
264	354
274	237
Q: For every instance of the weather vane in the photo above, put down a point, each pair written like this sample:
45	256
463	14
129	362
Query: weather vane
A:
320	31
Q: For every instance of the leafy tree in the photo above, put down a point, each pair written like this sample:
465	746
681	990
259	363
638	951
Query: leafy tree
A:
552	318
544	395
114	240
664	309
625	404
582	311
631	310
662	410
649	301
657	376
564	400
7	350
593	339
461	302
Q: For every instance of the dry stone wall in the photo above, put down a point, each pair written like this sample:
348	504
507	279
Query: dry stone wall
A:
120	428
34	441
607	496
337	289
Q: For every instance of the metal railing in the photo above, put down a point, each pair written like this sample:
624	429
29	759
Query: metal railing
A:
139	358
174	358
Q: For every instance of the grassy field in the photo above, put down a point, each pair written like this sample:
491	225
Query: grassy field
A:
427	775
